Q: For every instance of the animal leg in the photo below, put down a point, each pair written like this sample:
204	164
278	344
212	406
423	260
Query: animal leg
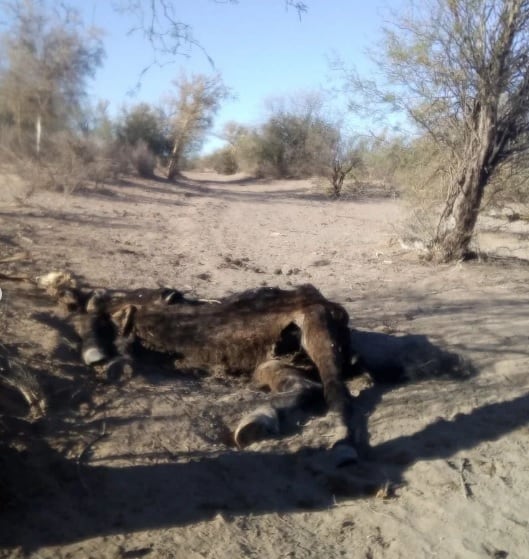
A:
266	421
95	329
279	376
261	424
103	347
321	340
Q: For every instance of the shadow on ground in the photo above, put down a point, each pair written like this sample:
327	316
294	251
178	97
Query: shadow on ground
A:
157	190
48	499
65	502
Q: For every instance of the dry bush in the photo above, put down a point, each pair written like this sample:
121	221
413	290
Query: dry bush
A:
143	159
73	163
266	170
67	163
509	187
415	172
224	161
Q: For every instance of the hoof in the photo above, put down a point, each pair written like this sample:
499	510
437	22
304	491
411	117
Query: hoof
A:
260	424
93	356
119	370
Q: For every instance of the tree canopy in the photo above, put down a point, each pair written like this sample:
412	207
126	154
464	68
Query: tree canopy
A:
48	59
191	111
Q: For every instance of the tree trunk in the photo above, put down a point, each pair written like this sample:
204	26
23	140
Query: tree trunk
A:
38	134
174	167
175	160
460	215
337	180
457	223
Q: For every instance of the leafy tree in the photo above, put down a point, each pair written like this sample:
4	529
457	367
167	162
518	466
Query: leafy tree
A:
144	123
191	114
294	140
460	71
298	140
47	59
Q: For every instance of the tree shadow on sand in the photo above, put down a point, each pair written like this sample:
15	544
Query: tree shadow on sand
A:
50	500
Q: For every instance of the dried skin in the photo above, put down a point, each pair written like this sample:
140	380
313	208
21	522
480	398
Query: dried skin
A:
238	335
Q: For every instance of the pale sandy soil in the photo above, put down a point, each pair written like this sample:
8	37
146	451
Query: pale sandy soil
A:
143	469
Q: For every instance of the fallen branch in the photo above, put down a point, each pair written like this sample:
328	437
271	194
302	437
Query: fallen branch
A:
9	277
15	257
465	465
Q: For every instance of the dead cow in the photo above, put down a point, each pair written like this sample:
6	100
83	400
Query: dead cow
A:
249	333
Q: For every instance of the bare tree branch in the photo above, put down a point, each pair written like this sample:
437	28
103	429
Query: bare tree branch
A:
170	37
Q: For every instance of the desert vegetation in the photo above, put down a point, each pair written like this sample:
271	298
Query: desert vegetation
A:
465	101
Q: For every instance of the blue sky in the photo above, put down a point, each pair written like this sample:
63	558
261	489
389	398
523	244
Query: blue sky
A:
261	49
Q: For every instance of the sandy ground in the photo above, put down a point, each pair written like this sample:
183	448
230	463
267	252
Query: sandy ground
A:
144	470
